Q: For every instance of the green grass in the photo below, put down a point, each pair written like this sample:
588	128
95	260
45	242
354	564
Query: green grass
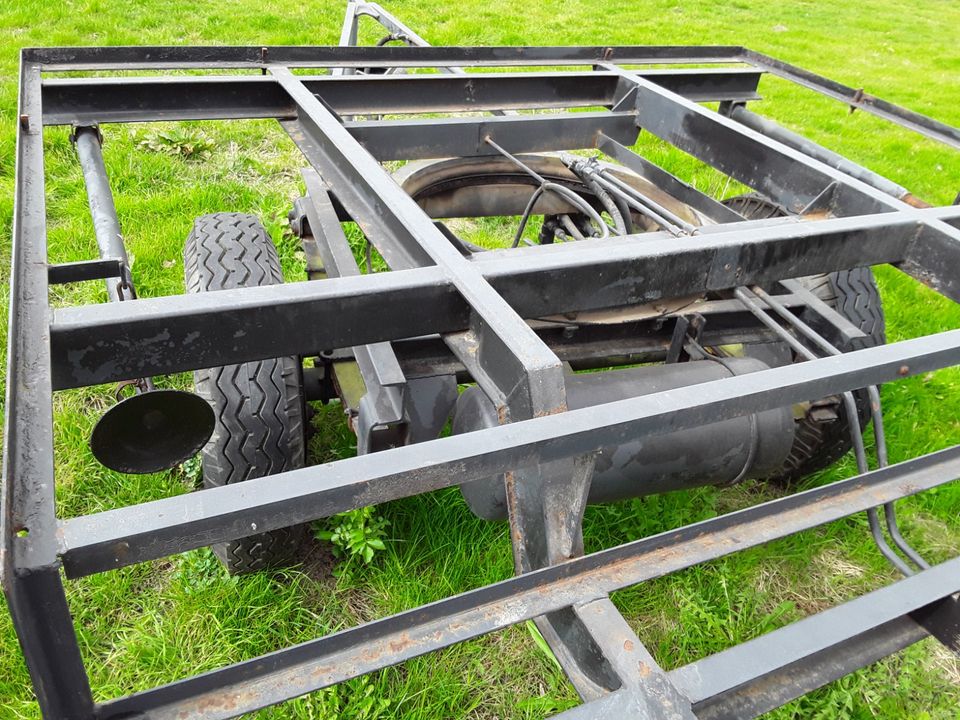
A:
160	621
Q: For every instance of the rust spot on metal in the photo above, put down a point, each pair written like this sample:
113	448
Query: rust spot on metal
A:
818	214
216	703
401	644
628	645
644	669
904	370
856	100
25	122
913	201
556	410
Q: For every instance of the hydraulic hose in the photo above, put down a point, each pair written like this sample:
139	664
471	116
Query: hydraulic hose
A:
585	170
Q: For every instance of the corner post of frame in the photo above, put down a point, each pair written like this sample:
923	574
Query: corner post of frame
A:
30	564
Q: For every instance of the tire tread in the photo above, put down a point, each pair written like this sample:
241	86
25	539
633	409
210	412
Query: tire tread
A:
854	294
259	405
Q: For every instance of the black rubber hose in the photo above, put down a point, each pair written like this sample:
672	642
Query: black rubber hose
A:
607	201
625	213
582	170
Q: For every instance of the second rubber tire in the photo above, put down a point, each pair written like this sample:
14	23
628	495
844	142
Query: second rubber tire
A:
854	294
259	405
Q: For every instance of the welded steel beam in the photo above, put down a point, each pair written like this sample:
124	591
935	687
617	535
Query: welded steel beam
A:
89	343
754	677
588	346
466	137
319	663
515	368
643	268
174	57
111	539
783	173
251	322
90	101
775	170
27	491
29	566
948	213
618	660
856	98
164	57
84	270
759	675
818	152
383	380
934	256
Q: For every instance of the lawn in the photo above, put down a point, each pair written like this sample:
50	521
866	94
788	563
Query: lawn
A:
160	621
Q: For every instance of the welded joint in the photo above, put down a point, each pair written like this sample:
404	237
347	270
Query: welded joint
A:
632	662
545	504
76	130
932	256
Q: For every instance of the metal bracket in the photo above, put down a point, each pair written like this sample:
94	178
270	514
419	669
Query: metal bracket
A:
687	328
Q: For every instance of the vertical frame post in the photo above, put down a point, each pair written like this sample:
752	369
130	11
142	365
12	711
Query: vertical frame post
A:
30	564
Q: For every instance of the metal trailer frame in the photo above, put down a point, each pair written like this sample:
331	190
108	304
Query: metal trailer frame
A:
477	307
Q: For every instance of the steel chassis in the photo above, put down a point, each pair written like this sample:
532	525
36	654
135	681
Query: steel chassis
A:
477	306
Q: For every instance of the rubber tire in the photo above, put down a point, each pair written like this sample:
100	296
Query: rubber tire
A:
259	405
854	294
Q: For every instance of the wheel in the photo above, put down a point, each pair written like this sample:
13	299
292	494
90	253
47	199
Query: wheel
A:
259	405
823	429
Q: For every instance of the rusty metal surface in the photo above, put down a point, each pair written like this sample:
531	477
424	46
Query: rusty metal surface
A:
349	653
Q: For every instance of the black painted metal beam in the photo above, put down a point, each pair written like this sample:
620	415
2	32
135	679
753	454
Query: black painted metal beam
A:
295	56
90	101
185	330
775	170
754	677
89	344
934	258
83	270
762	674
465	137
29	566
857	99
516	365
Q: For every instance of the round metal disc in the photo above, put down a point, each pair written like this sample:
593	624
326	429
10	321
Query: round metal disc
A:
153	431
